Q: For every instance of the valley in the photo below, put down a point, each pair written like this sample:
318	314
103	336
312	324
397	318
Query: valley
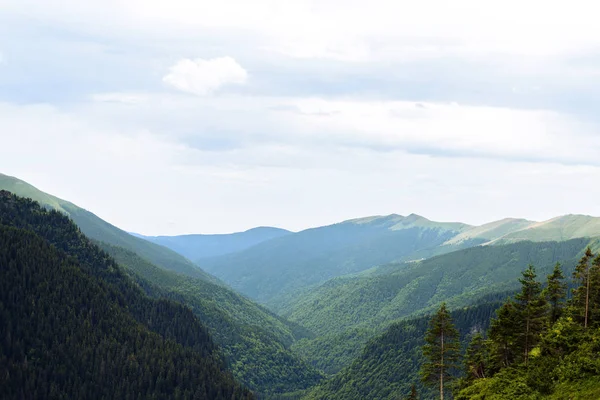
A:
331	312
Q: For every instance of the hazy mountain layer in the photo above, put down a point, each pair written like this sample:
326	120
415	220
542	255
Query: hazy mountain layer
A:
196	247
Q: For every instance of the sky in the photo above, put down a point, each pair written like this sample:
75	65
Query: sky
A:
197	116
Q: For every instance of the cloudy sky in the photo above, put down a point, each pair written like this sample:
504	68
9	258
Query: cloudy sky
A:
195	116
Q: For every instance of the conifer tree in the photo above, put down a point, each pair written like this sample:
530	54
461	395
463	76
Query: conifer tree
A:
531	308
594	312
503	335
581	295
555	293
476	358
413	393
441	350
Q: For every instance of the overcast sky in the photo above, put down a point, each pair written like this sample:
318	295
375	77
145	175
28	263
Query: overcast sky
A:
194	116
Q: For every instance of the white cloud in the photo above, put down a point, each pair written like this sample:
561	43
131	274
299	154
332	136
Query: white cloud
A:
202	77
351	30
125	98
135	172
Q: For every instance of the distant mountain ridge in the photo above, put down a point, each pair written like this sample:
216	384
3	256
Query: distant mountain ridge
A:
278	271
284	265
198	246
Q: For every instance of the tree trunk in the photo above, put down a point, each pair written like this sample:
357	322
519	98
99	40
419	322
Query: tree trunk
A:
442	369
527	337
587	298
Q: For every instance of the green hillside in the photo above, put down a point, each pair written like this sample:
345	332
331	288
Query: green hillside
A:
492	231
196	247
389	364
273	270
344	312
255	341
75	326
95	228
560	228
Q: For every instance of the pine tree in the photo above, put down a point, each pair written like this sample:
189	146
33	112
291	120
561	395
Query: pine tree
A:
594	303
441	350
503	336
413	393
555	293
581	295
531	307
476	358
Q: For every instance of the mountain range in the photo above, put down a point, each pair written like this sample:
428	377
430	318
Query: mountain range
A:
330	312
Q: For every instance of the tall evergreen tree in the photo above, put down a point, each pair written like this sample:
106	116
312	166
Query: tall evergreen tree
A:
441	350
581	294
555	293
594	303
531	306
476	358
503	335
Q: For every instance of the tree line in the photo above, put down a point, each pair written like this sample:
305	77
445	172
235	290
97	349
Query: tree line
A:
529	337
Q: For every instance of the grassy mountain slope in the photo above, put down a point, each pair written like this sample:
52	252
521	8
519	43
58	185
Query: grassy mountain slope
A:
98	229
196	247
74	325
559	228
491	231
255	341
270	270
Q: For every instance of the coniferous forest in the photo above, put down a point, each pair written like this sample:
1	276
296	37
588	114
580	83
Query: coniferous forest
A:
75	326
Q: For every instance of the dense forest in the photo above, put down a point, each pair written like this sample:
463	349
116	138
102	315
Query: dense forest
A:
256	342
389	364
76	326
346	312
540	346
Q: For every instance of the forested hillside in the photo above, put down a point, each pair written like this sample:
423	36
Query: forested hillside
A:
389	364
396	290
539	346
95	228
346	312
276	269
75	326
255	341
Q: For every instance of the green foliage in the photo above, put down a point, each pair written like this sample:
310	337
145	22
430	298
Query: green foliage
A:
414	395
555	292
345	312
276	271
441	351
583	274
565	361
503	334
476	361
75	326
531	312
400	290
255	341
390	363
